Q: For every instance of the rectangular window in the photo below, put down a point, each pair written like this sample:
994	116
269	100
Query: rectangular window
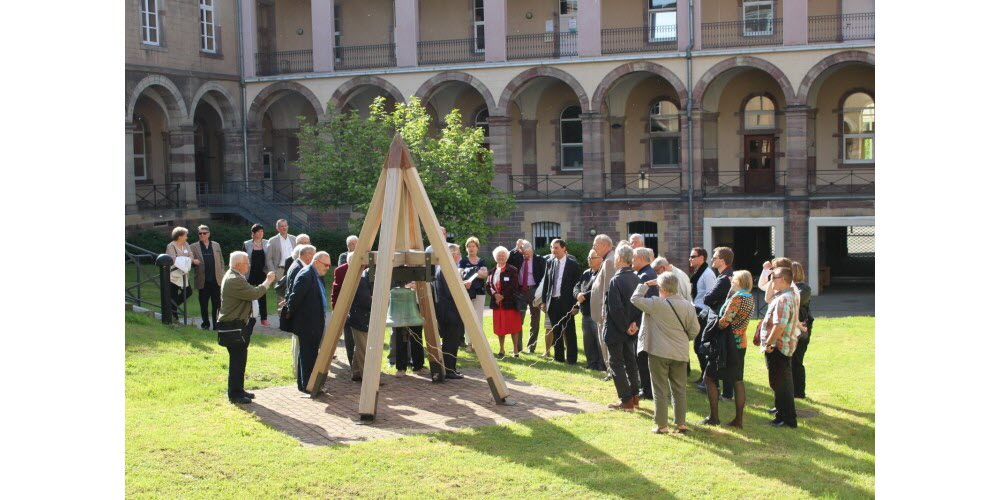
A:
665	151
337	42
207	21
139	154
568	7
149	22
662	20
758	17
479	25
859	146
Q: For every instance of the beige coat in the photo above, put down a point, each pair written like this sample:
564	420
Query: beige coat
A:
661	334
600	288
199	271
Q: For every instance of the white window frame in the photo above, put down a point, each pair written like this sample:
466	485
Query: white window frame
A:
671	36
149	22
747	113
665	134
139	128
564	145
478	5
484	122
206	20
868	110
770	20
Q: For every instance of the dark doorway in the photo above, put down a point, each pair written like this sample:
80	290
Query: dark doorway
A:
649	233
751	245
208	144
758	163
846	256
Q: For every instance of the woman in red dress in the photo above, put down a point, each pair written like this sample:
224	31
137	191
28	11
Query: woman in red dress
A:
503	287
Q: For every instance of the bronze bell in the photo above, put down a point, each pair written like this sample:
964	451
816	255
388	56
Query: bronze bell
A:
403	310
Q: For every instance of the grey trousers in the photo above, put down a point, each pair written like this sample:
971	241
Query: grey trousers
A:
669	377
360	346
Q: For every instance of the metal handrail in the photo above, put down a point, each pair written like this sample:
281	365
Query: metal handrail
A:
745	33
733	183
381	55
541	45
546	186
842	27
157	196
449	51
642	184
638	39
841	182
265	199
137	256
284	62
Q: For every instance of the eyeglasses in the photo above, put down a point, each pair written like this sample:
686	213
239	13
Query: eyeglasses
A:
199	232
327	264
693	257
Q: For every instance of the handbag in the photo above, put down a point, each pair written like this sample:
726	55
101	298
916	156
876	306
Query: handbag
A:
756	335
284	319
231	333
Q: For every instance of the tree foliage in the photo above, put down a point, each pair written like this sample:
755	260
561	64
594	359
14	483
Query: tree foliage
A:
341	161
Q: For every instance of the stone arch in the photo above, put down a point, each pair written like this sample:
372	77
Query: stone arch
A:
276	91
169	96
220	99
742	62
503	106
343	93
809	87
428	87
616	74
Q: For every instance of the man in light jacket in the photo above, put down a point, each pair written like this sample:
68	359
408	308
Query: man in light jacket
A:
605	249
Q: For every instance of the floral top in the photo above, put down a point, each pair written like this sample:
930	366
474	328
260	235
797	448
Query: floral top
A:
736	312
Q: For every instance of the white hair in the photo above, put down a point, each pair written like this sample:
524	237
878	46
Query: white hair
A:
637	235
319	254
604	238
306	249
527	246
624	253
302	239
659	262
500	250
236	257
351	238
667	282
645	254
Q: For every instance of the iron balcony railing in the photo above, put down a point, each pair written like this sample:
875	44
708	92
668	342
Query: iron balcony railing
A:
280	63
449	51
643	185
157	196
542	187
541	45
842	27
730	183
139	275
745	33
365	56
639	39
842	182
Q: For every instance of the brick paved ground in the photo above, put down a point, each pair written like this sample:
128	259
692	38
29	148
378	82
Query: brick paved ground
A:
407	405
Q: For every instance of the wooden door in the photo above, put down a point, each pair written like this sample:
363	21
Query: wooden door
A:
758	163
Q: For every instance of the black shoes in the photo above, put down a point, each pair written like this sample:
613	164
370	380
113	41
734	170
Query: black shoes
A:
779	423
454	376
240	400
248	395
772	411
709	421
204	326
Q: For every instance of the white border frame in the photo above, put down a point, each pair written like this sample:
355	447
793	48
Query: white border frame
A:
778	223
814	224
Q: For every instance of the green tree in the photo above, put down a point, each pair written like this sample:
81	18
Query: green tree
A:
341	161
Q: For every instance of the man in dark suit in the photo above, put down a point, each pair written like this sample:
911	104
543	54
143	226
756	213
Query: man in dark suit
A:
561	274
722	261
307	307
530	274
516	258
306	252
449	321
642	265
620	326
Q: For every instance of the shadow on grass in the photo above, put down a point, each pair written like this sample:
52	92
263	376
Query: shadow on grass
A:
557	451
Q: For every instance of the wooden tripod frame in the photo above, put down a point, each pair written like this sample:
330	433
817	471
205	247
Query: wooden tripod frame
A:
400	200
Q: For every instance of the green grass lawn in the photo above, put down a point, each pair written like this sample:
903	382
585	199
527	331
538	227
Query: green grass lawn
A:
183	438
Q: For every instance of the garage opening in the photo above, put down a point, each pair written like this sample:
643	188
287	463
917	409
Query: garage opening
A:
751	246
846	257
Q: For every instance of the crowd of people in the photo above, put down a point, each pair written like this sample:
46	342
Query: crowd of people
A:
638	312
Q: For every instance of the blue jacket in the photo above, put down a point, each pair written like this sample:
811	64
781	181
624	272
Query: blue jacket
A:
305	305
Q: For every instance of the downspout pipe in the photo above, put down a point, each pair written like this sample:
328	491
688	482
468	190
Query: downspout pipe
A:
689	112
243	93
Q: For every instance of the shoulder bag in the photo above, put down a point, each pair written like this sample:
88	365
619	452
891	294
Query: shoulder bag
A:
231	333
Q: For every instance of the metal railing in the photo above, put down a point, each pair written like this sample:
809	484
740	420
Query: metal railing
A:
730	183
642	185
843	27
137	276
365	56
280	63
639	39
745	33
261	200
542	187
842	182
541	45
157	196
449	51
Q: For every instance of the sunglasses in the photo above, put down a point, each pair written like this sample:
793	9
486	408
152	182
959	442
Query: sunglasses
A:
694	257
203	233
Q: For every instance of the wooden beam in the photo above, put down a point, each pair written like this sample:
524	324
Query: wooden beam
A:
422	205
328	346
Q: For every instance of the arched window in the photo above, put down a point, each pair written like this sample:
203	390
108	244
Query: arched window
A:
482	121
571	139
544	233
858	117
758	113
139	131
664	134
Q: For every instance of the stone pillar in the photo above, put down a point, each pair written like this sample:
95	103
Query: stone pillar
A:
322	35
683	27
795	22
248	12
233	168
697	24
500	145
255	148
496	30
593	154
588	28
617	152
130	206
181	168
407	32
529	151
797	144
797	231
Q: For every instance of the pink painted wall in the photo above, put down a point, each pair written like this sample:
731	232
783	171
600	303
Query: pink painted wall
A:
248	10
588	20
407	22
795	22
496	30
322	35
